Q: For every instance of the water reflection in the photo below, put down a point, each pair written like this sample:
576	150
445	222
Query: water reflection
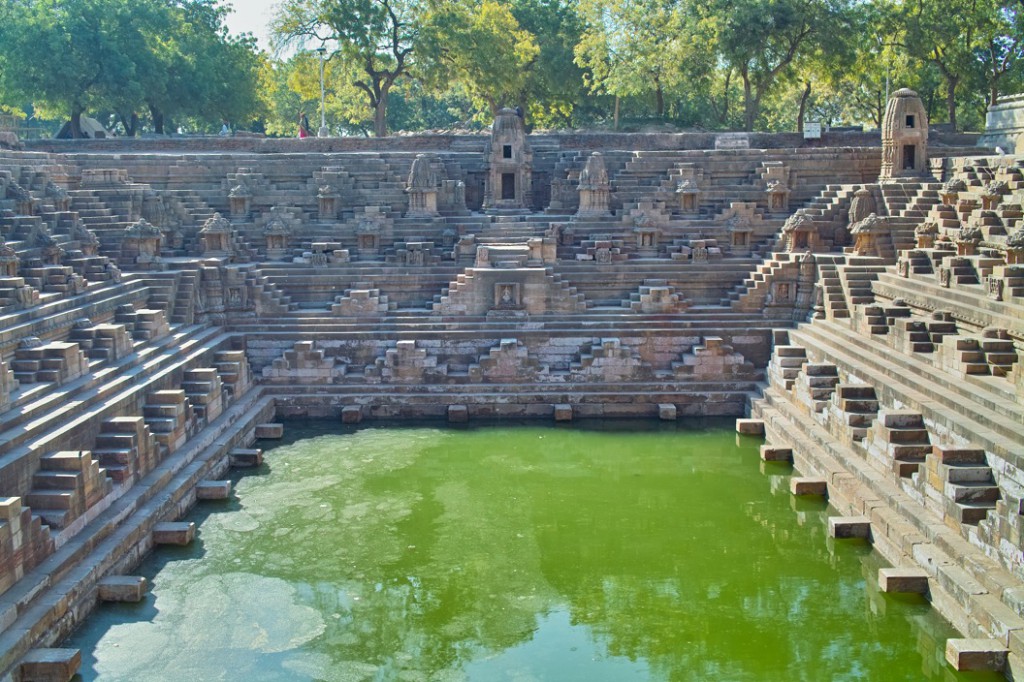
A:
519	554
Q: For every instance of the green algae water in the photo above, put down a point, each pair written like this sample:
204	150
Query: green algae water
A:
614	552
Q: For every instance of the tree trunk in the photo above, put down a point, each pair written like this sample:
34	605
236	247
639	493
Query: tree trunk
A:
130	123
158	119
616	112
749	104
659	99
951	83
804	96
76	122
725	99
993	95
380	112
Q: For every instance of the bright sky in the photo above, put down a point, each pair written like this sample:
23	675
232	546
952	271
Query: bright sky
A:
251	16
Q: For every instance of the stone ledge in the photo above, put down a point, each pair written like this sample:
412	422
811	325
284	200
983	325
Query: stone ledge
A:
903	580
123	588
976	654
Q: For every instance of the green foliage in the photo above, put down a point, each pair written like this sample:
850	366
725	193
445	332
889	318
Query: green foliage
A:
376	41
479	48
170	57
415	64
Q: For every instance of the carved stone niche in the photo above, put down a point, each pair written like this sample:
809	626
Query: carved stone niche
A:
240	199
925	234
1015	248
866	234
58	195
140	245
689	196
778	197
967	241
800	233
422	187
950	192
995	287
276	236
740	231
594	188
9	261
993	194
508	296
327	202
215	236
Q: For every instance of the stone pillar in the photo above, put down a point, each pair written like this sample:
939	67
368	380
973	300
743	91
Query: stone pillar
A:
327	202
422	187
240	198
594	188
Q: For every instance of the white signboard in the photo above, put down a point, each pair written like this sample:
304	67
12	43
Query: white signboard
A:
812	130
732	141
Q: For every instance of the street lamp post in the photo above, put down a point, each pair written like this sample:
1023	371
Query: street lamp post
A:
323	132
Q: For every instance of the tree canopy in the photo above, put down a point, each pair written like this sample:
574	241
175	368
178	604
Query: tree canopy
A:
415	64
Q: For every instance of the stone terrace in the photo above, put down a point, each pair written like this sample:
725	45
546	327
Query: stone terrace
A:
162	301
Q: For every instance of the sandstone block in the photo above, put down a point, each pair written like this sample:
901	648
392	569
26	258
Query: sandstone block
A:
666	412
213	490
351	414
124	588
750	427
976	654
563	412
50	665
808	486
245	457
458	414
913	580
174	533
771	453
270	431
849	527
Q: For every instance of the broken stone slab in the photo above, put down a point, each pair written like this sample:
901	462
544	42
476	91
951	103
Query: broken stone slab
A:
772	453
123	588
50	665
563	412
903	580
849	527
808	486
351	414
270	431
458	414
750	427
174	533
976	654
245	457
213	490
666	412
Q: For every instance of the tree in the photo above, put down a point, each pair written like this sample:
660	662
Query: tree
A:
629	48
479	46
761	39
196	69
553	90
968	41
375	37
98	43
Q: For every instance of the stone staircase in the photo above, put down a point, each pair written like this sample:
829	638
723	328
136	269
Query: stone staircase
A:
65	486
